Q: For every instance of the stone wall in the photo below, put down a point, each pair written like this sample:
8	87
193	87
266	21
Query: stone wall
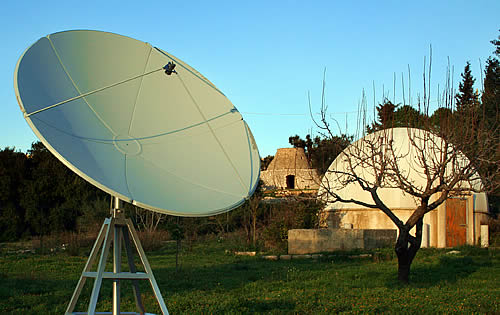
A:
286	162
304	178
308	241
289	158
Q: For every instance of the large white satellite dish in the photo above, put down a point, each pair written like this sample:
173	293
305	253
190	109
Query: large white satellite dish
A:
105	106
143	126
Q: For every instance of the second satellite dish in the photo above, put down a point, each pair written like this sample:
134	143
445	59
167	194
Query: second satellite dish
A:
137	122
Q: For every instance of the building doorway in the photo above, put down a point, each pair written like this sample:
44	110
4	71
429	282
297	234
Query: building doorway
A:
456	222
290	182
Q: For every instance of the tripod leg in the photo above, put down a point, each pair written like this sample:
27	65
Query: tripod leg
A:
88	266
101	267
117	266
147	267
133	269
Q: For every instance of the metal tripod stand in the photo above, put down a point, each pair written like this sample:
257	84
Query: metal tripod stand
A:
116	230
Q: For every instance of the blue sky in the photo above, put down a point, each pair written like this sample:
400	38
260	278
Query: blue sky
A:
267	55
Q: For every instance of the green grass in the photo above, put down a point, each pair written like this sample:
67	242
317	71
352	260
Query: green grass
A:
211	280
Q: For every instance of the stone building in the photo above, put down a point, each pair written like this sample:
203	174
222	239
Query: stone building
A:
457	221
290	170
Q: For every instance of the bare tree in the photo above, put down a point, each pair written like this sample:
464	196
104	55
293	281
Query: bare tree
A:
250	216
430	164
148	221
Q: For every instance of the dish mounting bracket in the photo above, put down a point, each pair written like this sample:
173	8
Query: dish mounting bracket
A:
169	68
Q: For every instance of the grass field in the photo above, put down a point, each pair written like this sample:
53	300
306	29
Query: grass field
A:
212	280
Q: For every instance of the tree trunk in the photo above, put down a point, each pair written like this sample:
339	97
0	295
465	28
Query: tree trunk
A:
406	248
404	264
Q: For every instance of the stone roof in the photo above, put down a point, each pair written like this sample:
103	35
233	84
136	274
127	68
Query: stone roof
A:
289	158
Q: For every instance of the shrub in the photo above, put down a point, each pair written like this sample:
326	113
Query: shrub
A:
494	231
286	215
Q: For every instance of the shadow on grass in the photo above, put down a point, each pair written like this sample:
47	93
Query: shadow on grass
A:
229	276
19	286
263	306
33	296
212	274
431	269
444	269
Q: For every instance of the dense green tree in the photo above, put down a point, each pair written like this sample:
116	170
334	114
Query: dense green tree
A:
385	114
391	115
265	161
307	144
13	173
466	113
491	94
490	97
496	42
490	116
53	196
441	118
297	142
325	150
408	116
466	99
321	151
42	195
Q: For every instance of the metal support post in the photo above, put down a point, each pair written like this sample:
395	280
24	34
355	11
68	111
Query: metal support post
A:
116	230
117	253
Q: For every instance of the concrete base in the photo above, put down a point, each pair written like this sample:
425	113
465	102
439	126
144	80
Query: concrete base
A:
484	236
426	236
308	241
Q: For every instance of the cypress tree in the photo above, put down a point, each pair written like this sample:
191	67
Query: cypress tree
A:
466	99
496	42
491	94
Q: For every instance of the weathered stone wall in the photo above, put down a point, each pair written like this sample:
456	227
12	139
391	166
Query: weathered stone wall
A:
304	178
290	161
308	241
365	218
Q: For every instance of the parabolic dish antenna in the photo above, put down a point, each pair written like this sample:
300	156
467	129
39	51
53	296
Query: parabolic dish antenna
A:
141	125
137	122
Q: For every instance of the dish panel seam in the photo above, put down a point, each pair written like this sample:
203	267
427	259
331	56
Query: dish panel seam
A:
77	89
214	135
91	92
139	138
139	90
